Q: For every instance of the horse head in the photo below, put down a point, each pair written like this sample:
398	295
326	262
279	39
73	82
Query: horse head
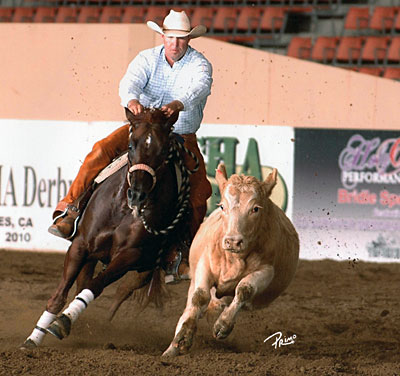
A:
149	148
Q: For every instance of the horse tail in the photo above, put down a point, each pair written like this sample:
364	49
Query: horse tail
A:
154	292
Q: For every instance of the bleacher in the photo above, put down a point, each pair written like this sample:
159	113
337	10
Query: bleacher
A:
361	35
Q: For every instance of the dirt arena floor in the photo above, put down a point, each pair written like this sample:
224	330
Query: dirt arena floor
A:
345	316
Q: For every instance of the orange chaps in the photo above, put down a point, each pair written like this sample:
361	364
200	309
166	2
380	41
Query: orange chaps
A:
107	149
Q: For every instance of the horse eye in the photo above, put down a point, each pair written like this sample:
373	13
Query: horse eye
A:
256	209
221	206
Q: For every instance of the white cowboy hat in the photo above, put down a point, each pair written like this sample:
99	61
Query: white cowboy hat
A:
177	24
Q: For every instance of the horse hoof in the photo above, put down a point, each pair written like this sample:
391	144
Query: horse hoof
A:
171	352
61	327
28	345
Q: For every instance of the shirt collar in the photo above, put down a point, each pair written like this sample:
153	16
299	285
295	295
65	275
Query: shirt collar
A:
181	61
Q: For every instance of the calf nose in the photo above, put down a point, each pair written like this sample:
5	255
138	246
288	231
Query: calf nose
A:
233	242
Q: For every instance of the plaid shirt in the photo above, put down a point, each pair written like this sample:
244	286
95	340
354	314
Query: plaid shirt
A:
154	83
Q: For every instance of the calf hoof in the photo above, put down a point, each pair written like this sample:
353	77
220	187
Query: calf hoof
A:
28	345
181	343
171	352
222	330
61	327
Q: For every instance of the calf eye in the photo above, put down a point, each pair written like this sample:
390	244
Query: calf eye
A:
256	209
221	206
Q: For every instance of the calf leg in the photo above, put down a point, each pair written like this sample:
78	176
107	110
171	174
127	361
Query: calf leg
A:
197	303
250	286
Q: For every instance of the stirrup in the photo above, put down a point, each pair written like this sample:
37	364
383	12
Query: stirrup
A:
172	274
64	214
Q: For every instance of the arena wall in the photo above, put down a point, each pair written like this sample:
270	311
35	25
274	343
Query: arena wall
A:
333	134
72	71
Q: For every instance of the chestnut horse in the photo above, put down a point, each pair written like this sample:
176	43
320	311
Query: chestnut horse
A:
129	221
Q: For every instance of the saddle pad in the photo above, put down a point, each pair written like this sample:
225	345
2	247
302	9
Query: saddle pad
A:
113	167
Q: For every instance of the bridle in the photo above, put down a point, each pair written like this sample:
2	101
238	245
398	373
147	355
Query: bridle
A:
143	167
174	155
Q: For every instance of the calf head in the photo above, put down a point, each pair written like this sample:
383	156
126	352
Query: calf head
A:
244	204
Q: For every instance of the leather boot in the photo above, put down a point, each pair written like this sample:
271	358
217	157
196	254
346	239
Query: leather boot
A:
65	224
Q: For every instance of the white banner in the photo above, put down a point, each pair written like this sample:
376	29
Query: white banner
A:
40	159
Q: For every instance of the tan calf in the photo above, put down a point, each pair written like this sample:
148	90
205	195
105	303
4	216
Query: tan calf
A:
245	254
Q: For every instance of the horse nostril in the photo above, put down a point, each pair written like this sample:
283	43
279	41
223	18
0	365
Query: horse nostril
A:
130	194
142	196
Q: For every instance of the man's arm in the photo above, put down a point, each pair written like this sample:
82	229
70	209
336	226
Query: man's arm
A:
133	82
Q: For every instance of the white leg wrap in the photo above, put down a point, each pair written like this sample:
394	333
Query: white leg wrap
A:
40	330
78	305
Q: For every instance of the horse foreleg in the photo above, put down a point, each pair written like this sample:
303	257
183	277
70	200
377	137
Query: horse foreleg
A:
116	269
73	262
250	286
85	275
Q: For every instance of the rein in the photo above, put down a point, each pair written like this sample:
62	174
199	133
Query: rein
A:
184	192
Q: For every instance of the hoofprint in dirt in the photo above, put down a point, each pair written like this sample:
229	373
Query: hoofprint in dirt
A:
344	316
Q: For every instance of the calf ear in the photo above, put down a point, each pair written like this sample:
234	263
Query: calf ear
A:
220	176
270	182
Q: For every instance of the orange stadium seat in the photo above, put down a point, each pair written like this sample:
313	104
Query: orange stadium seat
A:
357	19
225	19
273	19
349	50
156	14
396	24
375	49
300	47
24	14
6	14
203	16
67	14
134	15
392	73
324	49
374	71
45	14
248	20
111	14
382	19
393	52
89	15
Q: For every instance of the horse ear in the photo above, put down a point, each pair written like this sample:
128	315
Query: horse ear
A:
172	119
220	176
270	182
129	115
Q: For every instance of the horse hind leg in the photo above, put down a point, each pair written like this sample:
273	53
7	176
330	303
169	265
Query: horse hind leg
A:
73	263
130	282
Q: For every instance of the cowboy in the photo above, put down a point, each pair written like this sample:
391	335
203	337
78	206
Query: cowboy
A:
174	77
